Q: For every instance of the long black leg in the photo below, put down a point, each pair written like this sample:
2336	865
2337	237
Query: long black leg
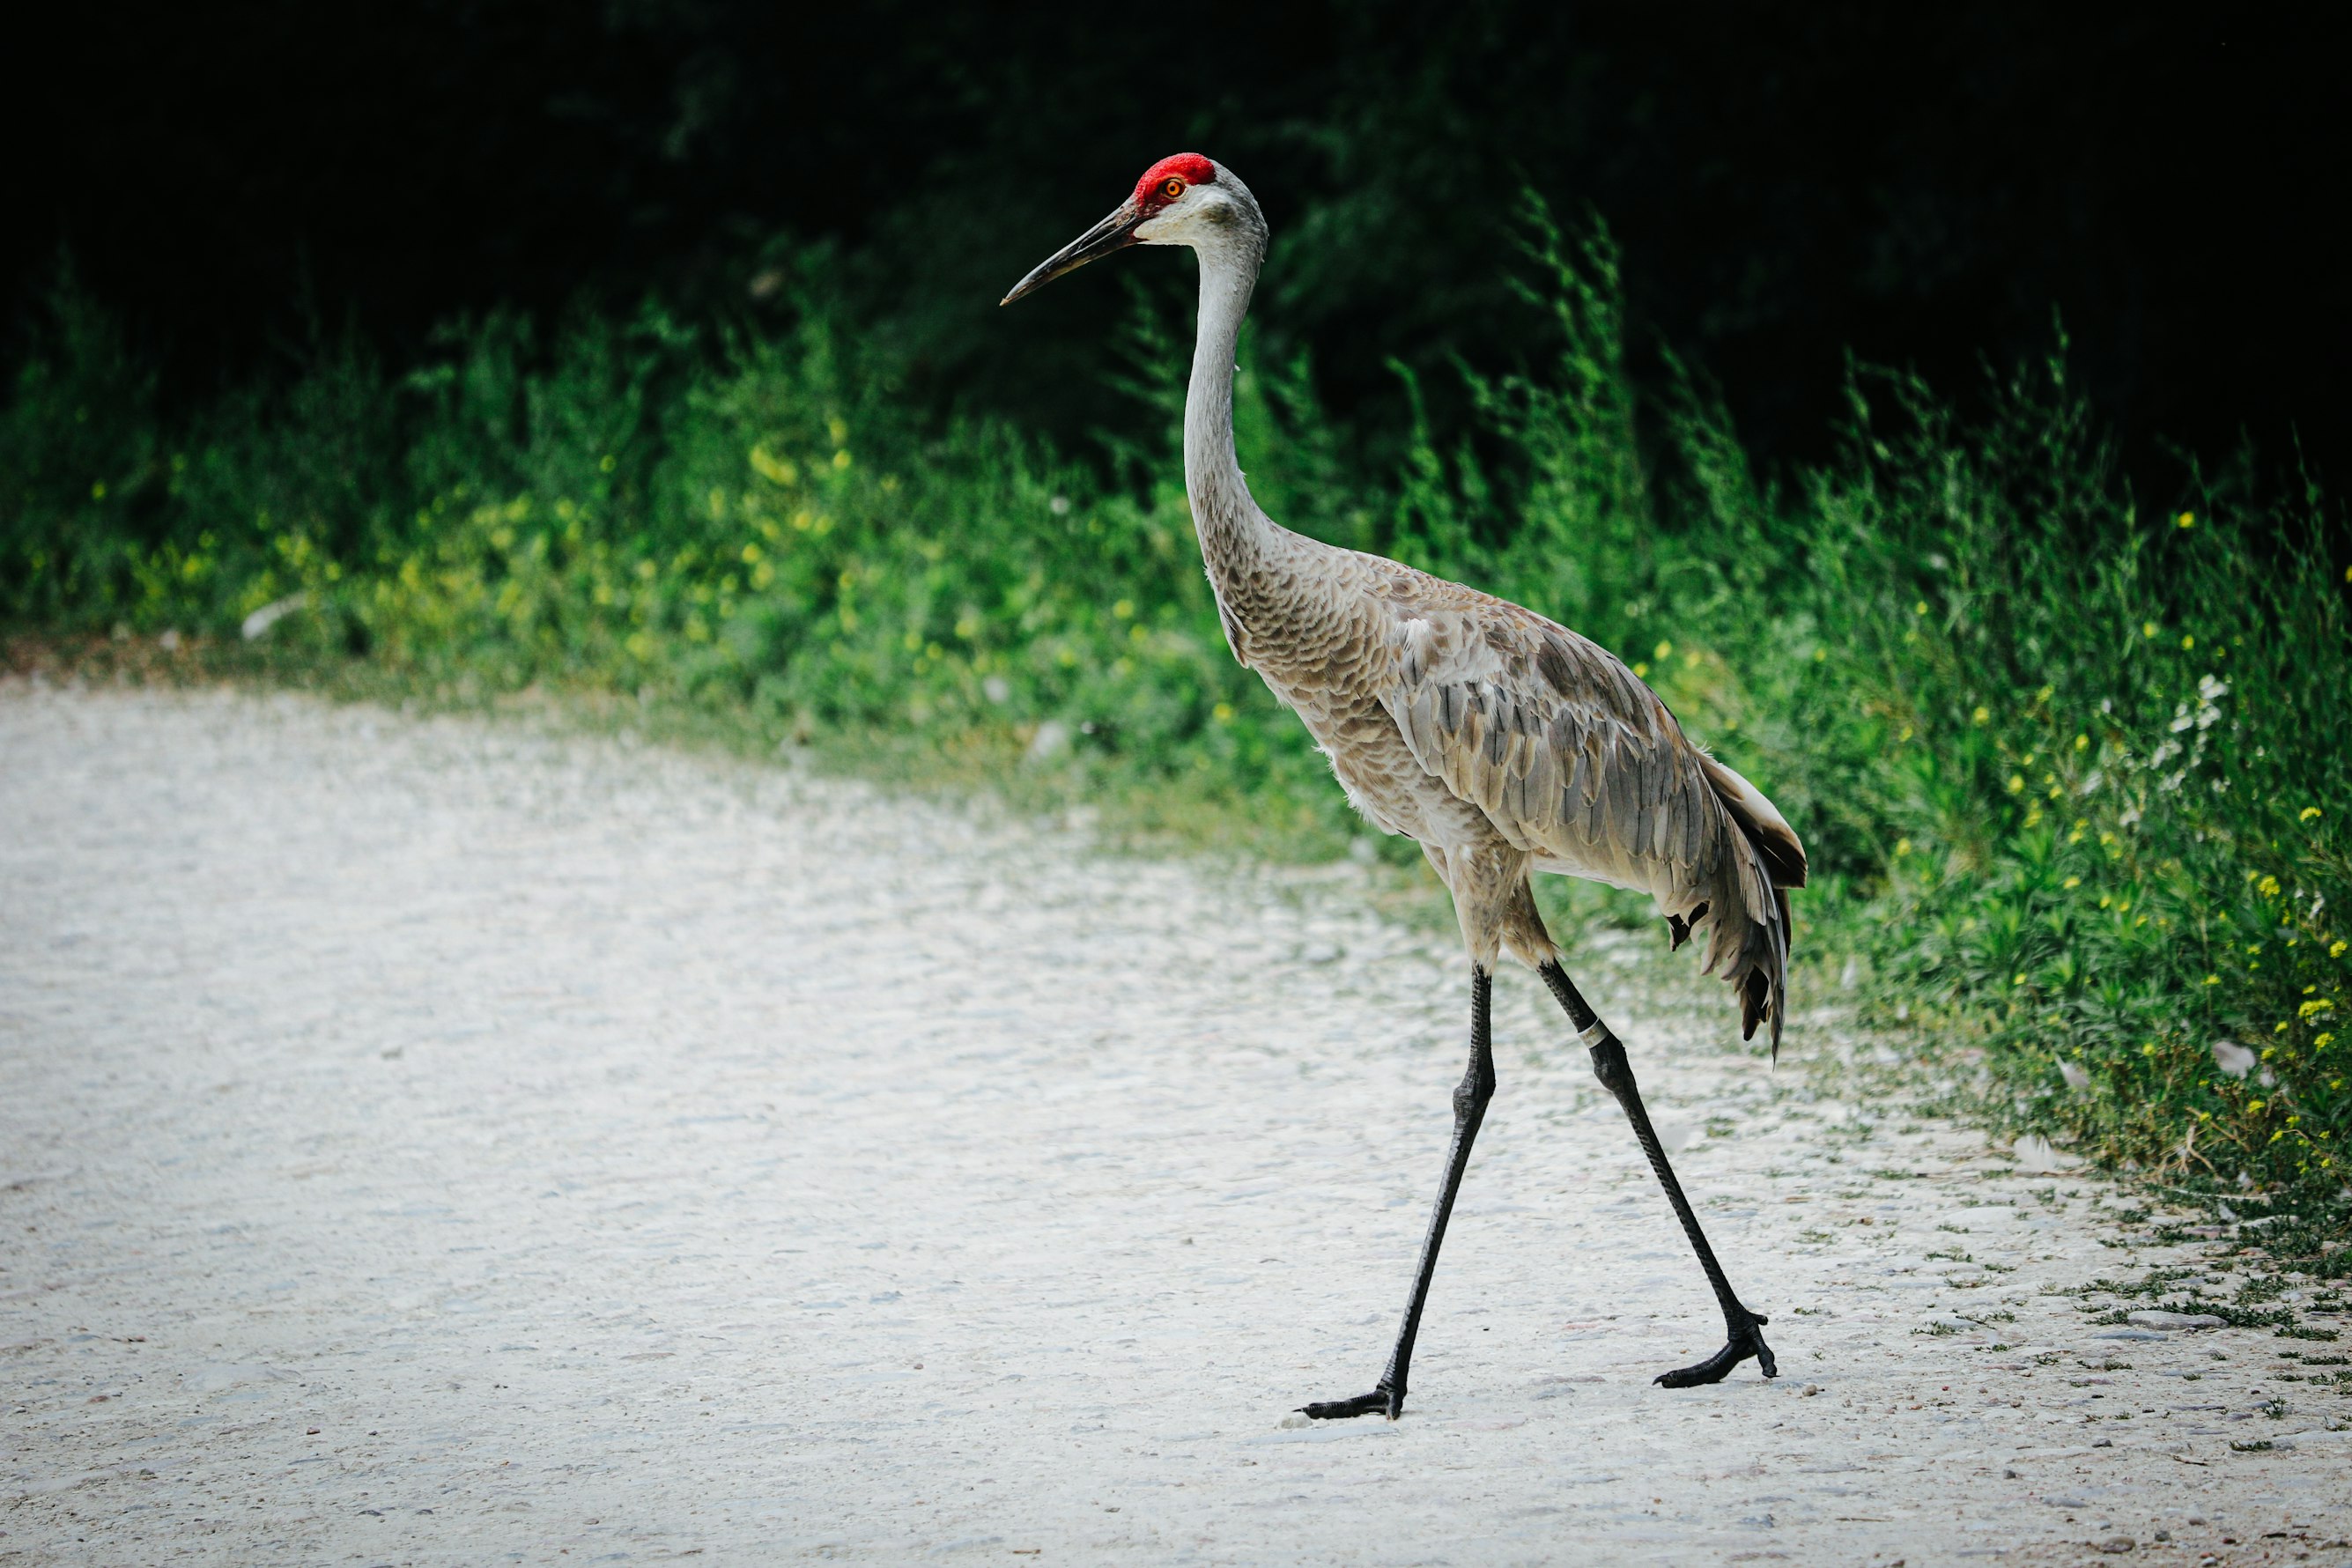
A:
1470	1098
1742	1327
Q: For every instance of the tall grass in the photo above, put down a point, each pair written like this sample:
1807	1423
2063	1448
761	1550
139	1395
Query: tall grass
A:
2071	765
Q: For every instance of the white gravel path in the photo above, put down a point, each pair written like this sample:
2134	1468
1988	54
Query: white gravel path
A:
434	1143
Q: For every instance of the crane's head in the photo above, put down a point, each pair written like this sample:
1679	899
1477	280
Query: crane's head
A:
1183	200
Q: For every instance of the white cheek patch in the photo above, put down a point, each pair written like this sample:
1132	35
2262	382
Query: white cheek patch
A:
1193	218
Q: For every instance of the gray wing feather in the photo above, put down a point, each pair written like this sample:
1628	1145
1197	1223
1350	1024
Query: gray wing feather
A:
1579	763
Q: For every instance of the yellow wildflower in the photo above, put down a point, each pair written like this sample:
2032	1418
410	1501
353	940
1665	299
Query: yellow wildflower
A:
2187	520
778	471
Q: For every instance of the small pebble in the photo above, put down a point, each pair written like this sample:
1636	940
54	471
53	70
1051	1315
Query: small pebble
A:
2153	1318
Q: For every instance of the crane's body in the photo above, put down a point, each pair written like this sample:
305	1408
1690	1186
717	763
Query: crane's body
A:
1501	742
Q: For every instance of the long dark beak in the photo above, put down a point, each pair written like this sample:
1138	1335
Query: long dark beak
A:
1115	232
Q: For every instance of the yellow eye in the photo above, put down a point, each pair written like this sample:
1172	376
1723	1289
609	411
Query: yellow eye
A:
1171	188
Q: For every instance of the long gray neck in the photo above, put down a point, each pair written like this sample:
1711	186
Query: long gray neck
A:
1231	528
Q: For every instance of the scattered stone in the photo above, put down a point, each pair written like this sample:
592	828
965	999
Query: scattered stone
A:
2036	1155
2118	1544
1052	739
2151	1318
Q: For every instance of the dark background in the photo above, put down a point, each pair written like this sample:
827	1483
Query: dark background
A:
1919	186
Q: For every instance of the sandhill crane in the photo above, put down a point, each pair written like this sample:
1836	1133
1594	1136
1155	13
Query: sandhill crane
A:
1501	742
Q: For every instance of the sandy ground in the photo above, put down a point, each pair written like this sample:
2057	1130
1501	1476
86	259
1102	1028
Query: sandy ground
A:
438	1143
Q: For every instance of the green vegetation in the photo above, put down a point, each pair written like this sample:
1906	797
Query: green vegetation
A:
2071	766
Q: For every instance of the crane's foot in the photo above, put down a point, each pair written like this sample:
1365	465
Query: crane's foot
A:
1747	1340
1382	1401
